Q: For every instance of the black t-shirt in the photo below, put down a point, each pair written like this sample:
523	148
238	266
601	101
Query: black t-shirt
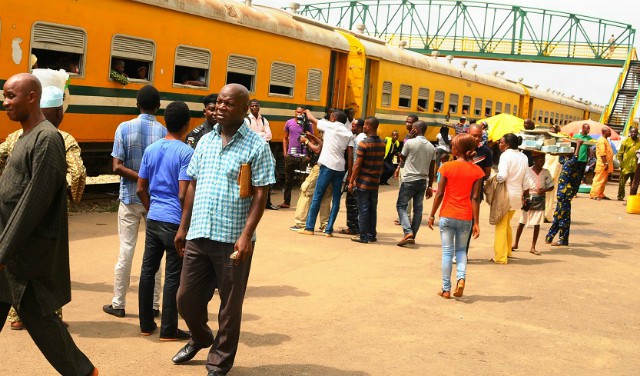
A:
196	134
484	159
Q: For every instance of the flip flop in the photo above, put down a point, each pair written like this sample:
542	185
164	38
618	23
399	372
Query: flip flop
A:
535	253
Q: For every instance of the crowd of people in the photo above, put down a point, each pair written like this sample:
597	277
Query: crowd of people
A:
203	194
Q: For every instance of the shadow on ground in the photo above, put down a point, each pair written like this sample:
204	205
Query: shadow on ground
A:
274	291
104	329
470	299
580	252
259	340
294	370
94	287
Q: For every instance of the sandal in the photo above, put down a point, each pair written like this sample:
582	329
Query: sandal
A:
444	294
559	244
535	252
459	288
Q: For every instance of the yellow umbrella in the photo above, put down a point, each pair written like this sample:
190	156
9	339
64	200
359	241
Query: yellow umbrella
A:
502	124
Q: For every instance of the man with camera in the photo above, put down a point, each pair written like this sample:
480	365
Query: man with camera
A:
295	152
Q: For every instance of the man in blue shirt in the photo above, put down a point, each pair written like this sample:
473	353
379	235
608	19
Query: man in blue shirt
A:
162	185
217	230
131	139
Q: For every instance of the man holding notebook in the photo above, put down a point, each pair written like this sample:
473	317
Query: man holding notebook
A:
217	230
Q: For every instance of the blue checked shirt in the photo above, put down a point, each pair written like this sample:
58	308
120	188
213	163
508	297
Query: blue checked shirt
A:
218	212
131	139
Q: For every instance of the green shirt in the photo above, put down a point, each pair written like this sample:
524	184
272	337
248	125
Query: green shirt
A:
627	155
583	154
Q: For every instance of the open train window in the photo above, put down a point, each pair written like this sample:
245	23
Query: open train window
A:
405	96
466	105
283	78
507	108
557	118
540	116
477	108
488	108
498	108
314	84
385	98
453	103
438	101
535	115
133	57
546	117
423	99
59	47
192	67
515	110
242	70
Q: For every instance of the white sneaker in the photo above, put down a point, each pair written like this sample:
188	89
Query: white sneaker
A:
454	259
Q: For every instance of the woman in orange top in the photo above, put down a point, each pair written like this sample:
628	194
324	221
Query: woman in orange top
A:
459	194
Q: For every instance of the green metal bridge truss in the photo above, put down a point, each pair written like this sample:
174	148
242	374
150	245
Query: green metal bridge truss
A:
483	30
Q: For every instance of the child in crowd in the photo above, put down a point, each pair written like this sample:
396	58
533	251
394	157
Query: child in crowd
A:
533	214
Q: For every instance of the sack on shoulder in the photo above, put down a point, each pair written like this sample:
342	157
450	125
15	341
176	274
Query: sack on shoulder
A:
244	181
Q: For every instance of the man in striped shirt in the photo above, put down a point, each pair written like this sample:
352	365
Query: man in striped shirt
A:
365	180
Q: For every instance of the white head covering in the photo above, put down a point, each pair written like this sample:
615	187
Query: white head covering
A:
51	97
50	80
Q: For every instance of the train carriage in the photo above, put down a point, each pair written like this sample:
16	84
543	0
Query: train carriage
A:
188	49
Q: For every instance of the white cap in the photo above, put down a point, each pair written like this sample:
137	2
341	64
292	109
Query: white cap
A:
51	97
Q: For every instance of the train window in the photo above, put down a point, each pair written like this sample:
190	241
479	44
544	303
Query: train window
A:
515	110
557	118
498	108
242	70
423	99
132	57
59	47
192	66
535	115
488	108
283	78
552	115
507	108
540	116
314	84
466	105
477	108
438	101
453	103
546	117
386	94
405	96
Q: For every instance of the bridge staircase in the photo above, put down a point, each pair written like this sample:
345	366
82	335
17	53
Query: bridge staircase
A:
624	101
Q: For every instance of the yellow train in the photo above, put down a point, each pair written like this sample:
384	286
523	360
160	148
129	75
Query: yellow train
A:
188	49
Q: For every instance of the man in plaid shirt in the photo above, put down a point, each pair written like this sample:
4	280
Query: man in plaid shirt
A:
131	139
217	230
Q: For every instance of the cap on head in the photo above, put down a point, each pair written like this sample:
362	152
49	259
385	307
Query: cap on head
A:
52	97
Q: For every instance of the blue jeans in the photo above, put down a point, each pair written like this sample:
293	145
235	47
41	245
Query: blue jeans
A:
454	234
411	190
367	213
325	177
159	238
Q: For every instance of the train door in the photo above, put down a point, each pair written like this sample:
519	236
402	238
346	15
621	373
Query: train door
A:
337	80
370	82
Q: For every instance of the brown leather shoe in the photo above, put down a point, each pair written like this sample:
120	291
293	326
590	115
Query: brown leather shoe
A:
459	288
17	325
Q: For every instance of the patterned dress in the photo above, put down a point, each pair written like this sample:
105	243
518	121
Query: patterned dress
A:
568	184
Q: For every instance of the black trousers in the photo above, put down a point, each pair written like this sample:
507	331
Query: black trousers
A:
159	238
51	336
206	264
352	213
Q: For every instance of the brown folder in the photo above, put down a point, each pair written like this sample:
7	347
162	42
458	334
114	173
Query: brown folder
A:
244	181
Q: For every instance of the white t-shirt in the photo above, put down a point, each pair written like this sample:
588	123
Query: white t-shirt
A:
355	141
335	141
512	168
441	144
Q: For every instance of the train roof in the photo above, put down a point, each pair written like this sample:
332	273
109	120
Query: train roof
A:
398	55
556	98
262	18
